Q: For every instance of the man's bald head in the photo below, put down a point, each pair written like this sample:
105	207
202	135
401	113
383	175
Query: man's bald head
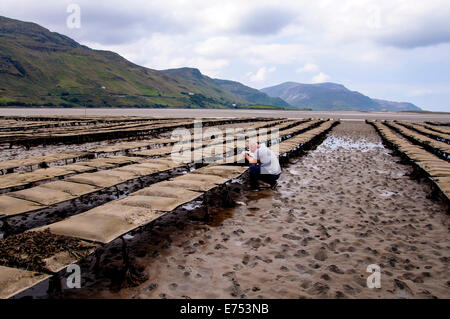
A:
253	146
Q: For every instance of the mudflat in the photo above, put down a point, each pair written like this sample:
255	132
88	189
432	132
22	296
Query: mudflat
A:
179	113
344	206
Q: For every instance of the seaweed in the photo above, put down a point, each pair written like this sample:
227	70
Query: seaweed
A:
30	249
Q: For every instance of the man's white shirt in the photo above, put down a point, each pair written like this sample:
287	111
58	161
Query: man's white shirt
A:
268	161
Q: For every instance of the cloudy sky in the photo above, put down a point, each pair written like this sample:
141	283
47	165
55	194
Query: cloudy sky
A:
397	50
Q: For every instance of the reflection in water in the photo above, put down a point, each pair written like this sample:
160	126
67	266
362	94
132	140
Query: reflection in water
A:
218	215
254	196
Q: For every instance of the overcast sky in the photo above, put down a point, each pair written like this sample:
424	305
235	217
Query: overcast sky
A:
396	50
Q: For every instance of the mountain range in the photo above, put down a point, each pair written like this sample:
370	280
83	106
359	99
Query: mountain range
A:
331	96
39	67
43	68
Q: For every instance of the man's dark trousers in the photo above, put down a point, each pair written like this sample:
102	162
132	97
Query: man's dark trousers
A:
255	175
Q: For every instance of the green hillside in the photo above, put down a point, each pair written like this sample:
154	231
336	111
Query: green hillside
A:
46	68
250	94
224	90
43	68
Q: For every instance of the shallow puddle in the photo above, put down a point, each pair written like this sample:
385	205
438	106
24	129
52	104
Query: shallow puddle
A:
217	217
331	143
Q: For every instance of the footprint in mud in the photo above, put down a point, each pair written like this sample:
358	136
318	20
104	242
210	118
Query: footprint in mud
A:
219	246
402	290
235	289
305	284
225	237
305	231
318	289
305	241
284	268
340	295
290	219
279	256
350	290
237	267
361	281
173	286
189	250
302	270
267	260
254	242
301	253
238	232
291	237
325	277
321	254
335	269
323	230
314	265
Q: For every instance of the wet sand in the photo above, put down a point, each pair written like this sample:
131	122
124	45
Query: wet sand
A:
338	209
176	113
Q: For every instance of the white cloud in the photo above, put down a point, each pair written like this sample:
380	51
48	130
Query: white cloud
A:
264	20
400	23
308	68
421	92
402	41
219	47
277	53
436	89
210	67
320	78
261	74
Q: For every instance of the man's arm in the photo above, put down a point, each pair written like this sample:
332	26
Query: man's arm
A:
250	159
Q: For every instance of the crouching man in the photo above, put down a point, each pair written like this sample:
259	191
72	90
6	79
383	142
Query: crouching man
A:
263	167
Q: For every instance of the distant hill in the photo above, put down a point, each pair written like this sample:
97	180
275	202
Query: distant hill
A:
397	106
250	94
39	67
42	67
223	90
331	96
